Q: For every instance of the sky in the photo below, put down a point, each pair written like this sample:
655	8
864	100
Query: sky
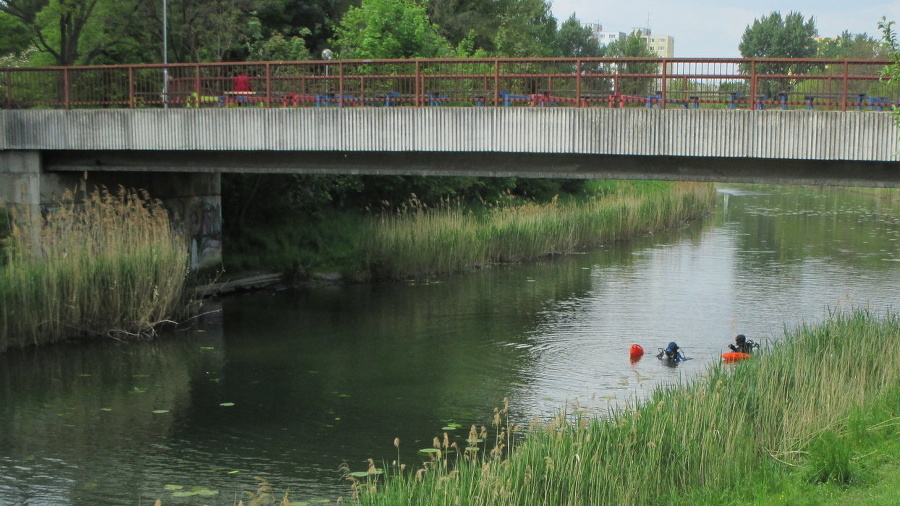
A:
713	28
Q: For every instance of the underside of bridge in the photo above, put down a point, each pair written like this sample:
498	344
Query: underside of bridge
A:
487	164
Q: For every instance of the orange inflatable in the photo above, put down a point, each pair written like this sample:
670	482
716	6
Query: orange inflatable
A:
734	356
636	352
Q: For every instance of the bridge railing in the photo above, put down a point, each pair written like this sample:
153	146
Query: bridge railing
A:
561	82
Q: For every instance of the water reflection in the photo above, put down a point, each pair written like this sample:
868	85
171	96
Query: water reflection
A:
291	385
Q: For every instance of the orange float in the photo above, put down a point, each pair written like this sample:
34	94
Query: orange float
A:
636	352
735	356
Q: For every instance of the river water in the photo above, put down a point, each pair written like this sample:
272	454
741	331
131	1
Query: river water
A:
291	385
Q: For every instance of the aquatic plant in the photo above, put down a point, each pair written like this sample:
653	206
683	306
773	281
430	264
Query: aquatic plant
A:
101	264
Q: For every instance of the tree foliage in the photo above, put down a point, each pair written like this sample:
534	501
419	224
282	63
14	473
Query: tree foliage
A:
575	40
527	29
70	32
775	37
859	46
634	46
389	29
458	20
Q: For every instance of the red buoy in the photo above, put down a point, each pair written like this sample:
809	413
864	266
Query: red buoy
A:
735	356
636	351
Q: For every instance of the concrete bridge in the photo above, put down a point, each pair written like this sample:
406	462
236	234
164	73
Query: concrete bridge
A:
179	154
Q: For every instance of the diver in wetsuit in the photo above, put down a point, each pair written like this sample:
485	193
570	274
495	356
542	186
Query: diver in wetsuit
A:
742	344
671	352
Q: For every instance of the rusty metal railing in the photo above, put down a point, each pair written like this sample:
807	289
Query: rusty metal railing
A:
692	83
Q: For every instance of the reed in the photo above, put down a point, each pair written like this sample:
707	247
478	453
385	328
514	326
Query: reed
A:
733	434
106	264
418	241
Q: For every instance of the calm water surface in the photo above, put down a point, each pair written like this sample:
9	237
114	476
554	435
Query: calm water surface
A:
290	385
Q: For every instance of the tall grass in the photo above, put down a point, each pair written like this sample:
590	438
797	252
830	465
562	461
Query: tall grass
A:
729	435
106	264
418	241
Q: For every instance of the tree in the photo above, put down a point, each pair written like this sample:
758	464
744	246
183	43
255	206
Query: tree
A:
634	46
458	20
775	37
313	21
389	29
527	30
574	40
210	30
14	35
74	32
858	46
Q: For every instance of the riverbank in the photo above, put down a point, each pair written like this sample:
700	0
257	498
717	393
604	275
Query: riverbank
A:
419	241
810	421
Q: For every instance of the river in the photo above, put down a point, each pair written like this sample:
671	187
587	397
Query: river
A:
292	385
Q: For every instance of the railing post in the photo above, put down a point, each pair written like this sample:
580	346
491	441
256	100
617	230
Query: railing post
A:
268	85
578	101
197	85
844	85
663	85
753	85
496	82
66	88
9	91
419	87
130	87
341	84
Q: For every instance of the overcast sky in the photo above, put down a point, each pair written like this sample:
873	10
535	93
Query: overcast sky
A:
713	28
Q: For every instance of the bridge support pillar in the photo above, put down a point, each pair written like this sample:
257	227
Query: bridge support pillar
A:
20	190
194	200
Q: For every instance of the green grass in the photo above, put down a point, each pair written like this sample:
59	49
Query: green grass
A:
812	420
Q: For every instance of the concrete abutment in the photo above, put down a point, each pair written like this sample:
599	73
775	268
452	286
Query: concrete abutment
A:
193	199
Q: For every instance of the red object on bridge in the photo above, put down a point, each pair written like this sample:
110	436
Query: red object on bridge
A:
636	352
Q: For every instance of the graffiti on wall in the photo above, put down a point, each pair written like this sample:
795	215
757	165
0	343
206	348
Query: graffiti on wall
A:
205	222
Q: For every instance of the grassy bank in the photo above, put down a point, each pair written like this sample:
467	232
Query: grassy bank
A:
105	264
415	240
801	423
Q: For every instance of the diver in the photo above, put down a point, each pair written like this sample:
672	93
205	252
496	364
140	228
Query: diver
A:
671	352
742	344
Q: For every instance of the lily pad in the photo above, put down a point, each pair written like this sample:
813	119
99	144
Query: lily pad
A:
226	404
184	493
160	411
173	487
452	426
359	474
428	451
106	409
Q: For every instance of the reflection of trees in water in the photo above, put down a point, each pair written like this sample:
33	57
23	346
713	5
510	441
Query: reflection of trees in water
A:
80	399
794	224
